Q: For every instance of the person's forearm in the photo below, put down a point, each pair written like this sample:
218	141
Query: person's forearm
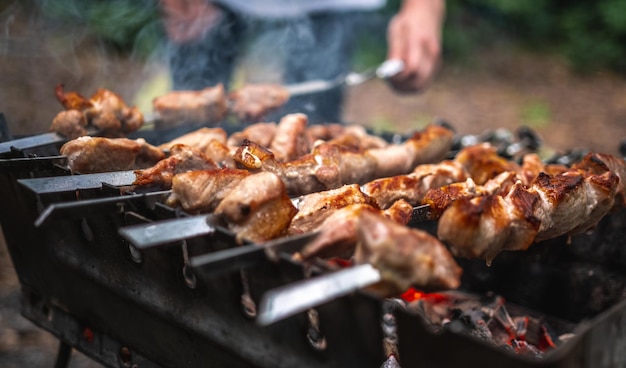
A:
414	36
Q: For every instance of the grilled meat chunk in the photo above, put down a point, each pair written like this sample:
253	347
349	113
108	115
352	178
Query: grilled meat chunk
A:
202	191
87	155
553	205
207	106
258	208
482	162
259	133
330	166
314	208
428	146
70	123
405	257
338	232
105	111
182	159
198	139
598	163
439	199
252	102
290	141
353	136
412	187
210	141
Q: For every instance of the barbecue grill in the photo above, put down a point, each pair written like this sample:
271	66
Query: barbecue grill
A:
127	306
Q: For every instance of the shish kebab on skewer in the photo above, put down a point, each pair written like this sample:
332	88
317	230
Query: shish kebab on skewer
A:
472	158
290	151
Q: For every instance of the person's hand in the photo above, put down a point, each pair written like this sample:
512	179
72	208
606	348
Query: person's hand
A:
188	20
414	36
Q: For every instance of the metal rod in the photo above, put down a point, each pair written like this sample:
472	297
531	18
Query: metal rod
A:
63	355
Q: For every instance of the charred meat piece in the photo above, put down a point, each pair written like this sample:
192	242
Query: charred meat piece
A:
353	136
597	163
111	114
532	166
258	208
330	166
202	191
210	141
290	141
482	162
198	139
259	133
311	173
338	232
314	208
412	187
182	159
405	257
207	106
70	123
105	111
252	102
567	203
439	199
88	155
428	146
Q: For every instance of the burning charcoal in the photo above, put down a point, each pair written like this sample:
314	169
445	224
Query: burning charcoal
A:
524	348
461	322
529	137
521	326
568	158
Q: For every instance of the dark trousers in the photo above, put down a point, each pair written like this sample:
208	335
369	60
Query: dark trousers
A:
319	46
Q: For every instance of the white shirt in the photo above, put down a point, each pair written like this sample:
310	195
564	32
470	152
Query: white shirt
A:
295	8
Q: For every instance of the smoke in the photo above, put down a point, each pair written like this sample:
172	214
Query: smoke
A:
83	44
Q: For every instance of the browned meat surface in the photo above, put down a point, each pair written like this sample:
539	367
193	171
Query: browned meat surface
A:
210	141
405	257
439	199
532	166
202	191
111	114
70	123
311	173
252	102
597	163
428	146
338	232
553	205
199	139
412	187
88	155
330	166
354	136
220	153
105	111
258	208
290	141
483	162
182	159
259	133
205	106
314	208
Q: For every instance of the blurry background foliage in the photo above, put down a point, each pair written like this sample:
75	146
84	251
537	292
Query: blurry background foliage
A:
591	35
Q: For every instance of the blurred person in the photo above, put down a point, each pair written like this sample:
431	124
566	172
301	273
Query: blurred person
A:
314	39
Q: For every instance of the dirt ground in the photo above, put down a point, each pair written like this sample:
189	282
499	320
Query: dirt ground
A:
496	90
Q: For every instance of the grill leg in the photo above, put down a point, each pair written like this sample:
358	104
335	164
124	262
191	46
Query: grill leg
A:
63	356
